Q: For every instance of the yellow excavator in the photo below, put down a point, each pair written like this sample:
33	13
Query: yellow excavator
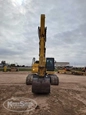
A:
43	70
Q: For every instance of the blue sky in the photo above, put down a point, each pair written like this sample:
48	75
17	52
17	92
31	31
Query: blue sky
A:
66	30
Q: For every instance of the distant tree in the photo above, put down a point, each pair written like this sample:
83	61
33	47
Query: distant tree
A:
3	63
12	65
23	65
18	66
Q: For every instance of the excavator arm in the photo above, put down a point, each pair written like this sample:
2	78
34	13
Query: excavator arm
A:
42	49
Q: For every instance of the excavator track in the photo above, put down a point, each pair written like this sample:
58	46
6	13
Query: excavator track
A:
54	80
29	79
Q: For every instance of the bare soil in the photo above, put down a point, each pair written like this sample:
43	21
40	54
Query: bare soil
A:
69	98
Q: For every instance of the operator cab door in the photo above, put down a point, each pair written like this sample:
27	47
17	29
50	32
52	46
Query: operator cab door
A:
50	64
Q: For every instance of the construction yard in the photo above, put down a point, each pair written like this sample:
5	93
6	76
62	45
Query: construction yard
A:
69	98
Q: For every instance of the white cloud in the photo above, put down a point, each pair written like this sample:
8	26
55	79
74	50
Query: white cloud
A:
66	36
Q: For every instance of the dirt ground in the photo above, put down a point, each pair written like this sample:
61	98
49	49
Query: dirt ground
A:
69	98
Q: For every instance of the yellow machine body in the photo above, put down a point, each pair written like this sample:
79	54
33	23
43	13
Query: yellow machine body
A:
35	68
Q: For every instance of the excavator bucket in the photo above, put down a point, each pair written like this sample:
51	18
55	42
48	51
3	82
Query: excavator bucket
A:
40	85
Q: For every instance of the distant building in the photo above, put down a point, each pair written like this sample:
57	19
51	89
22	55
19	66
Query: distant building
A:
62	64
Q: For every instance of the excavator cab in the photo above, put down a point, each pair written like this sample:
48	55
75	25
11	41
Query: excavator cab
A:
50	64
